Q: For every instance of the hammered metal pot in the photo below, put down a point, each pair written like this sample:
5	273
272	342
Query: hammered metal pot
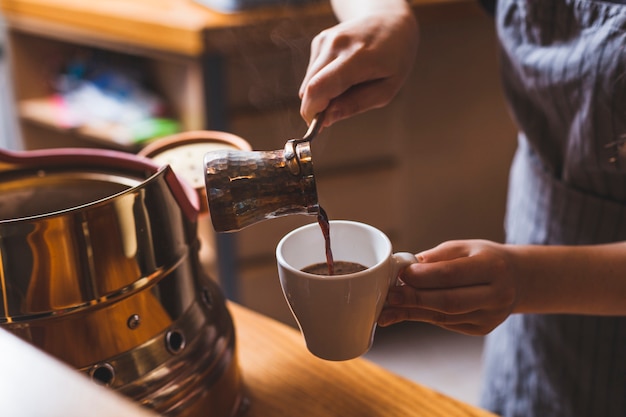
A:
99	268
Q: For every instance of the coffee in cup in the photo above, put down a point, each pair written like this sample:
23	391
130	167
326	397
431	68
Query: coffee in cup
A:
340	268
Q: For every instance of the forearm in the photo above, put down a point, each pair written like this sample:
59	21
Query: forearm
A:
571	279
351	9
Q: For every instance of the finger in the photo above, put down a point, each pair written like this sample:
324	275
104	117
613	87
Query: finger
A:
444	252
393	315
343	75
456	301
361	98
331	45
356	100
316	93
314	98
317	63
460	272
474	323
317	60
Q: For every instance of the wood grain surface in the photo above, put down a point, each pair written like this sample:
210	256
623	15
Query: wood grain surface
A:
283	379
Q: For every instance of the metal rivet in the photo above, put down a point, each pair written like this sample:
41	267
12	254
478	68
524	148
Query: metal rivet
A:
133	321
175	341
103	374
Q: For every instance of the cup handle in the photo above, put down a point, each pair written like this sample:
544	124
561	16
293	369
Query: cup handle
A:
400	261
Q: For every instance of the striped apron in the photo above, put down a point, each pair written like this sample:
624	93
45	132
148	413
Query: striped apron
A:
563	65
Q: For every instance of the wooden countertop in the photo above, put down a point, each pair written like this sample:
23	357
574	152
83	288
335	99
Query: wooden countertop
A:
281	379
284	379
175	26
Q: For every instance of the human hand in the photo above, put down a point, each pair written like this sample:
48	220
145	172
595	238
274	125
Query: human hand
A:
359	64
467	286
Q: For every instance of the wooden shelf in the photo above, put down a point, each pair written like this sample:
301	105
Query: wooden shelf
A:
37	60
45	112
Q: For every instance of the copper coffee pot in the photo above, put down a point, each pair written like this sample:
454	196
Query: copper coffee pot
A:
246	187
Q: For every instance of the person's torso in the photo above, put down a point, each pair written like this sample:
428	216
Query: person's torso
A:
564	74
563	65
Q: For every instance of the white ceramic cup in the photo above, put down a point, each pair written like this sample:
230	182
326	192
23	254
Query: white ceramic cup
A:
337	314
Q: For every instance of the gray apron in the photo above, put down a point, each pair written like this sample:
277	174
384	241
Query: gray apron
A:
564	72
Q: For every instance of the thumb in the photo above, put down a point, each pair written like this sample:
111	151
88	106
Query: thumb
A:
444	252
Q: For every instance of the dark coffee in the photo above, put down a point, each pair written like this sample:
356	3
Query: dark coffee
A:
340	268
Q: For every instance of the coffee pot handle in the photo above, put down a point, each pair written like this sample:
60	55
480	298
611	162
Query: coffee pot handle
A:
314	128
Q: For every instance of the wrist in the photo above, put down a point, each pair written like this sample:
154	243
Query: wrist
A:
539	280
570	279
348	10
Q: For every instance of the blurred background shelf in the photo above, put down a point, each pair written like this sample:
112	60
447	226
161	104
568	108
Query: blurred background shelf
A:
47	113
37	61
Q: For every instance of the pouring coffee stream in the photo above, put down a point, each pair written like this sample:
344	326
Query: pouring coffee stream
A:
322	217
246	187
